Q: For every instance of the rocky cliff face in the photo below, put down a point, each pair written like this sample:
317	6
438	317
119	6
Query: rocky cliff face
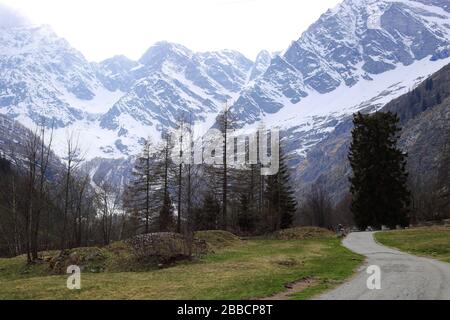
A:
13	147
361	53
114	104
425	118
358	56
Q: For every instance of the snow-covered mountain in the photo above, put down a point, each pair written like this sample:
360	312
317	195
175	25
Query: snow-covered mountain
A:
172	82
262	62
43	78
361	53
114	104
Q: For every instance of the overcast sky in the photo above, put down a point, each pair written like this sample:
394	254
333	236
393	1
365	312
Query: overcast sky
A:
103	28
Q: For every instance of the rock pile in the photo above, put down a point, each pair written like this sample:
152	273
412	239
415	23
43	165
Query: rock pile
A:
166	247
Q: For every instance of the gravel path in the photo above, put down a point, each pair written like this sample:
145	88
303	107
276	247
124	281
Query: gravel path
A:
403	276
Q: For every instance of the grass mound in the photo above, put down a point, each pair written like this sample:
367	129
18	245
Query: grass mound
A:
166	248
218	239
88	259
302	233
139	254
116	257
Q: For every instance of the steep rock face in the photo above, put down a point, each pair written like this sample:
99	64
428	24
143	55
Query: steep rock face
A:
261	64
113	105
360	53
444	4
116	73
14	138
41	75
358	56
425	117
174	82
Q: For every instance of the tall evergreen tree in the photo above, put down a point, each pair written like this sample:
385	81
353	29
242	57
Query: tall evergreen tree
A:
166	216
207	216
246	216
225	123
166	171
280	199
378	183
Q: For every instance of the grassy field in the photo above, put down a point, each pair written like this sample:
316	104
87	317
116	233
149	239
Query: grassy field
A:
432	242
241	270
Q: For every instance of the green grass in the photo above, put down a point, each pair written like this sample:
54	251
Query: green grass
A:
243	270
432	242
218	239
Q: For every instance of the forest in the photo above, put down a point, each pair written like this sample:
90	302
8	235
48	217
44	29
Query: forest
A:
48	203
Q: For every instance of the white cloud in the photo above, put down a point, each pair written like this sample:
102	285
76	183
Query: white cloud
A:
102	28
10	17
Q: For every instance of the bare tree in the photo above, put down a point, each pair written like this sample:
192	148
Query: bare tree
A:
318	206
73	160
80	188
109	204
180	172
43	163
31	153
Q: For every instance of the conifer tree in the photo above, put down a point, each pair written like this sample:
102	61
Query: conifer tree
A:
166	170
378	183
166	215
208	215
281	203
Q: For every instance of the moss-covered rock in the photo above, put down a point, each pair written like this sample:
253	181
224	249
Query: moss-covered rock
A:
165	248
88	259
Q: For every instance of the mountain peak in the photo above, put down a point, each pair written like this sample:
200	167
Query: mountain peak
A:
162	51
360	54
262	62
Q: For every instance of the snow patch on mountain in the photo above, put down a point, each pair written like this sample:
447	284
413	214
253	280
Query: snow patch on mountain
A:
358	55
115	104
99	104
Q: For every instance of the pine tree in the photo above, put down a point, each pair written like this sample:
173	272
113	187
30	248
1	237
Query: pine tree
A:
225	123
245	187
166	215
281	203
166	172
207	216
378	183
246	217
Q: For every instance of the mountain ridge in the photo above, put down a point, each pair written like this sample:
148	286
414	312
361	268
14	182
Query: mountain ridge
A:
357	56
